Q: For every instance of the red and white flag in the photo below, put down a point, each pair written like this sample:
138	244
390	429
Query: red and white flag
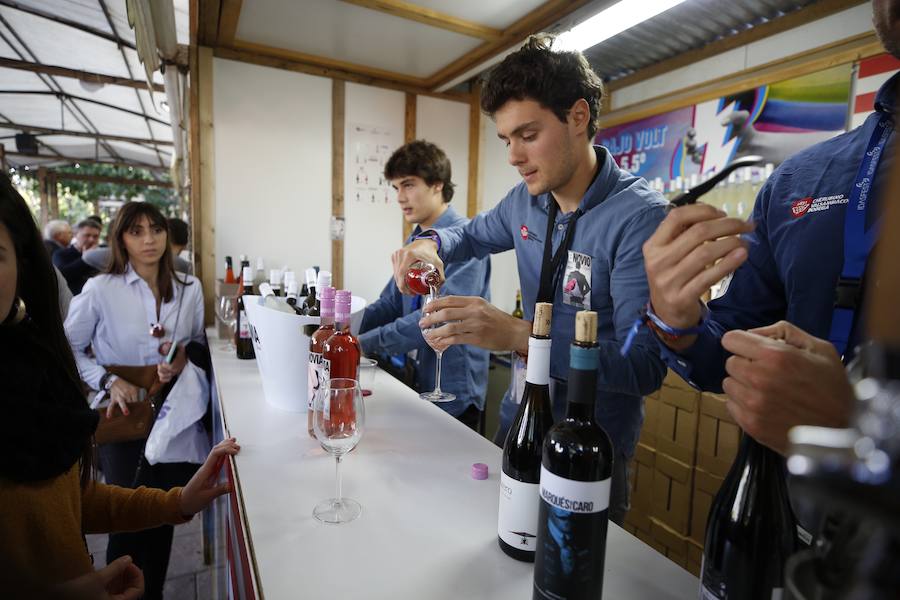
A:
870	75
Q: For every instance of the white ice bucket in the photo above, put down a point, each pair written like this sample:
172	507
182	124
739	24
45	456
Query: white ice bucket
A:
282	350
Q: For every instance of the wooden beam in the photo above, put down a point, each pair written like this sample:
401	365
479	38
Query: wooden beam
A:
45	201
338	95
193	151
327	63
88	76
818	59
331	73
208	16
54	194
412	12
207	193
84	134
472	202
63	176
813	12
86	161
229	16
537	20
409	134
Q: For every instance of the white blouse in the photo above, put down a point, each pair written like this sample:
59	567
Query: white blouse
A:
114	313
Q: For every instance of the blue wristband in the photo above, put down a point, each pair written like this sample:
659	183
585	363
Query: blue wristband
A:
432	235
657	326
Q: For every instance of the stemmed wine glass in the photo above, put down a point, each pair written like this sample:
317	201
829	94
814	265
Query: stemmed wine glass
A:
435	395
227	312
338	421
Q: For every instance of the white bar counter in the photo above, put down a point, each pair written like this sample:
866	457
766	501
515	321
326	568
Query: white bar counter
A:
428	530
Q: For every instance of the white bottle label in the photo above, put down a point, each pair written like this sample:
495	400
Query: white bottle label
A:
317	375
583	497
244	330
538	371
518	516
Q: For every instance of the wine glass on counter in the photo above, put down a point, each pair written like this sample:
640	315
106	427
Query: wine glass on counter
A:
226	311
436	395
339	420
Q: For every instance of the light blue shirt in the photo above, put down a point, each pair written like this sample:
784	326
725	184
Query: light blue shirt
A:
390	325
113	314
620	212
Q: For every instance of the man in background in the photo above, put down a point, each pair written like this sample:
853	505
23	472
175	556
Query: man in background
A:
57	235
420	172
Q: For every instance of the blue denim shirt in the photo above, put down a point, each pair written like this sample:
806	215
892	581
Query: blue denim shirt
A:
794	262
390	325
620	212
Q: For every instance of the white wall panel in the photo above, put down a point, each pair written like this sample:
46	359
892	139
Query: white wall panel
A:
446	124
374	229
272	165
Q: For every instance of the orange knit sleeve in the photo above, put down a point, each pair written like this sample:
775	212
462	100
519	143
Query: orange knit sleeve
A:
109	508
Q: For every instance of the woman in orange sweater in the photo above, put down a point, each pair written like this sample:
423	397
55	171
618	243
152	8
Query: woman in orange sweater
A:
48	499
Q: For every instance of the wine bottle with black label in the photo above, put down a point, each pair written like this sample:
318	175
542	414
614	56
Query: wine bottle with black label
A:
575	482
517	518
751	530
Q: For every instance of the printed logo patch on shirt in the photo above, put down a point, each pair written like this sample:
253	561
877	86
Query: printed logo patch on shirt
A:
524	232
810	205
577	280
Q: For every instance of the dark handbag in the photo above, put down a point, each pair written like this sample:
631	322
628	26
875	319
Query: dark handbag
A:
137	423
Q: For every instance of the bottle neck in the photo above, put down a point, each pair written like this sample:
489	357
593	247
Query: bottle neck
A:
582	384
326	320
538	369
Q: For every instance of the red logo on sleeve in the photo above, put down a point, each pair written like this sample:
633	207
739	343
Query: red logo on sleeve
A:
524	232
799	207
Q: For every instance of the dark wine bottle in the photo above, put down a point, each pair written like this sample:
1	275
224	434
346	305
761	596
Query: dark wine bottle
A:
521	471
575	483
517	311
751	530
243	337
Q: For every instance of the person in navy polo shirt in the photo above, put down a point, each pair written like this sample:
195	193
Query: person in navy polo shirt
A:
590	216
776	340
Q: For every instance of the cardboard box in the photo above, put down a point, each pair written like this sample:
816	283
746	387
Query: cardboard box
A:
675	544
718	436
641	477
694	557
672	489
706	486
651	420
676	427
674	380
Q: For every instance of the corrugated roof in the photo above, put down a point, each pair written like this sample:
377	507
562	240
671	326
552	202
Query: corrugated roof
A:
688	26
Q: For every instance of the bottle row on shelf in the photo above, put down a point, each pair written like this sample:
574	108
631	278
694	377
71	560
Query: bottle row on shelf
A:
735	195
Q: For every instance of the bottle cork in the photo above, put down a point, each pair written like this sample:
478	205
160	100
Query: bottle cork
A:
543	311
586	327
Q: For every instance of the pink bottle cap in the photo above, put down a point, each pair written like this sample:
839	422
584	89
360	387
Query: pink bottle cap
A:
479	471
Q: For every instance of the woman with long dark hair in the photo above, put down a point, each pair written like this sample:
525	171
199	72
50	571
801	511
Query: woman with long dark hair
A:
131	316
48	498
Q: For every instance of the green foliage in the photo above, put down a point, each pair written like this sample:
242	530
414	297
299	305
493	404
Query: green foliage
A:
77	198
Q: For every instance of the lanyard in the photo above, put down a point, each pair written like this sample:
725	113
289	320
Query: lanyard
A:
550	266
858	241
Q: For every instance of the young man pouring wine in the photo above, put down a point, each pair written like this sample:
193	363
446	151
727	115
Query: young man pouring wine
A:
576	222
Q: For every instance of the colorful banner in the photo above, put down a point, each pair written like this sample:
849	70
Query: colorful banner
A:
774	121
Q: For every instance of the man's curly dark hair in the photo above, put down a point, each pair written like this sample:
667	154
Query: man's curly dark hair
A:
554	79
422	159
